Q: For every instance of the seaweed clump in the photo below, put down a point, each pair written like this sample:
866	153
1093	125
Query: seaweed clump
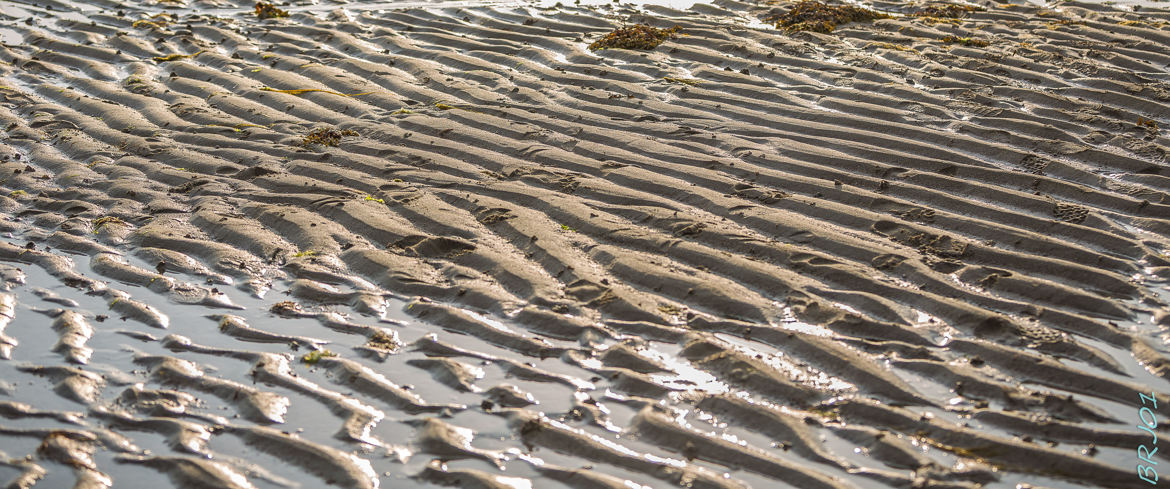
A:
286	308
313	357
157	21
325	137
266	10
382	340
173	57
101	222
946	11
685	81
639	36
819	17
966	41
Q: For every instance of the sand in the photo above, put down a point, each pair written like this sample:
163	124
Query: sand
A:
746	258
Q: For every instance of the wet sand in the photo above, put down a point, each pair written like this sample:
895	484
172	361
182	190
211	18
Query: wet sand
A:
747	258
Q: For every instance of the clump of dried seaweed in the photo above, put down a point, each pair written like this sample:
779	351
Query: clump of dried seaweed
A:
325	136
819	17
946	10
266	10
639	36
101	222
966	41
381	340
313	357
173	57
286	308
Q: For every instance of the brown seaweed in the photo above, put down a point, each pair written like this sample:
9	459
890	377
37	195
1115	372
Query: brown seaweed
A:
265	10
324	136
639	36
820	17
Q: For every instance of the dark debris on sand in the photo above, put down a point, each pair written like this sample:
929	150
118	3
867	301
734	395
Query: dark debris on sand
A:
946	10
266	10
285	308
325	137
820	17
640	36
966	41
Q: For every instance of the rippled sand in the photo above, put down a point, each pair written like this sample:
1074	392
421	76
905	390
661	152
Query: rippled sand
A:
747	258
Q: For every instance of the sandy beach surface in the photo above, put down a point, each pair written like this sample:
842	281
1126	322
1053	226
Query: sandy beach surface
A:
408	245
